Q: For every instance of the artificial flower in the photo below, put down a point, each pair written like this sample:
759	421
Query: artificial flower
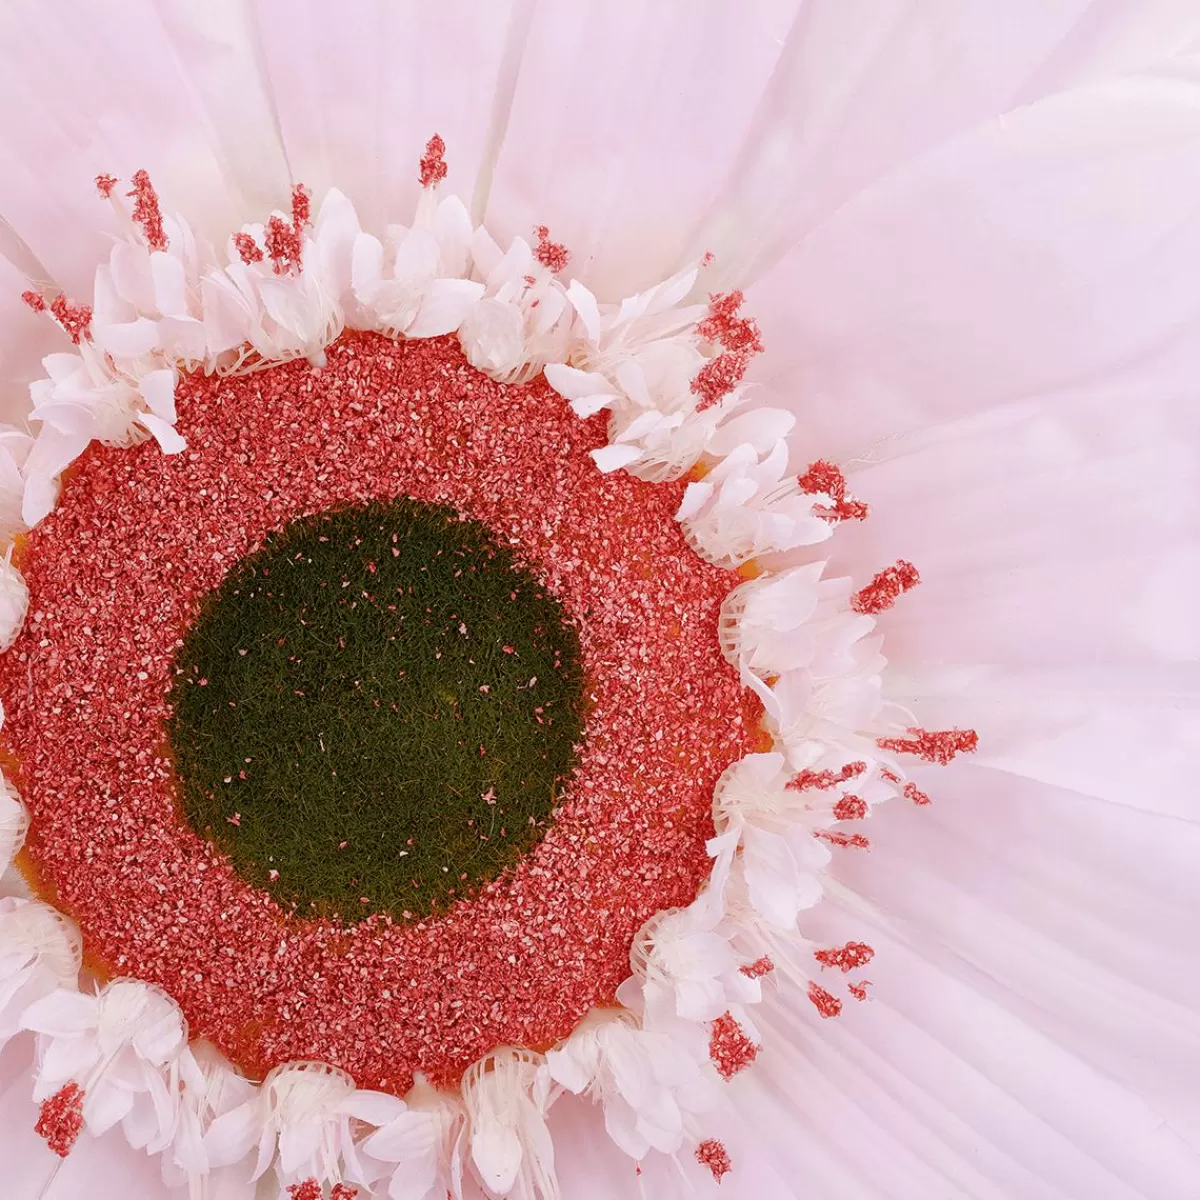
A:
951	249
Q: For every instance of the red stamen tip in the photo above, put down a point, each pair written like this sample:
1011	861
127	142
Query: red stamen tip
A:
719	376
308	1189
859	990
723	325
729	1048
708	258
433	163
147	213
914	793
284	245
248	249
826	1003
554	256
850	808
713	1155
823	476
76	319
301	207
35	300
849	957
61	1119
105	185
826	779
936	746
853	841
886	588
758	968
343	1191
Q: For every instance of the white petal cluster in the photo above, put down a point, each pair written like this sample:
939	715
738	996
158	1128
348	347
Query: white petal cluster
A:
122	1048
794	636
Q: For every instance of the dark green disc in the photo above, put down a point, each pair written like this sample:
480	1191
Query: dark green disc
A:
377	710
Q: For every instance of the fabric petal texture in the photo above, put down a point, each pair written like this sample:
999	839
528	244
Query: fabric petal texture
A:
870	283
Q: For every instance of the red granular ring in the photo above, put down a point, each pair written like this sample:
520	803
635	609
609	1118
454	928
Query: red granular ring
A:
118	572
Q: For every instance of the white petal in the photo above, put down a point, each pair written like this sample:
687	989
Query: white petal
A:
164	433
62	1014
444	306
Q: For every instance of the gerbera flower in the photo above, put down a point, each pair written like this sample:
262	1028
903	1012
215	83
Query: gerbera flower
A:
671	346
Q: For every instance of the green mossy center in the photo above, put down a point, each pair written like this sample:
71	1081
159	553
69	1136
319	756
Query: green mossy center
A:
376	711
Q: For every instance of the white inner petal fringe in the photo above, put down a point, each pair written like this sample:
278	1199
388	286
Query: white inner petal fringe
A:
806	646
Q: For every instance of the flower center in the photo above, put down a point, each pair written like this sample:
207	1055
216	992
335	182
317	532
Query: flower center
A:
375	711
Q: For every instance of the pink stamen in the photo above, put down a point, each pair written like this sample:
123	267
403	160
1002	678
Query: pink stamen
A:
850	808
725	326
886	588
849	957
301	207
826	779
823	476
554	256
936	746
61	1119
76	319
433	163
914	793
758	968
853	841
146	211
826	1003
719	376
729	1048
248	249
713	1155
284	245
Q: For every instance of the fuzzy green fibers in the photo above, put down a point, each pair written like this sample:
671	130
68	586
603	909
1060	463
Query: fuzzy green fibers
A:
379	705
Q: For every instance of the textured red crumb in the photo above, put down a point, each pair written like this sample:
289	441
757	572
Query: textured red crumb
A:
118	572
823	476
75	319
248	249
859	990
35	300
724	325
825	779
939	746
886	588
61	1119
343	1191
713	1155
758	968
105	184
284	244
835	837
729	1048
433	163
308	1189
826	1003
554	256
914	793
849	957
301	207
146	211
850	808
719	376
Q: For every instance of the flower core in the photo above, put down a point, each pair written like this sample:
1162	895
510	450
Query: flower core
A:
376	710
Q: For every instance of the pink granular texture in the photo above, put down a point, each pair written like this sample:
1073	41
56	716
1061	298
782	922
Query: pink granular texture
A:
118	572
